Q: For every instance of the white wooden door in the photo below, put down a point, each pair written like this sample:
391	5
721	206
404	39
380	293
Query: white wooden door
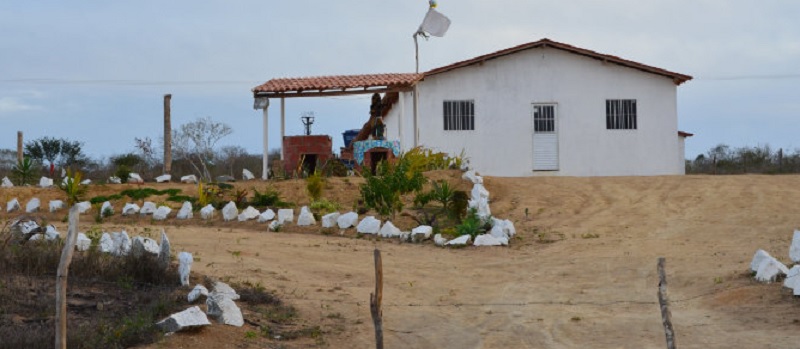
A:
545	137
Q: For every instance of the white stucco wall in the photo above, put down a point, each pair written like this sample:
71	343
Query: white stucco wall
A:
505	88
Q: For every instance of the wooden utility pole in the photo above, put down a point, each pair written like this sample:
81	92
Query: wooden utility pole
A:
375	300
61	279
167	135
663	301
19	146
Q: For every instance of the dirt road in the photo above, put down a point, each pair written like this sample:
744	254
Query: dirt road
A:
581	274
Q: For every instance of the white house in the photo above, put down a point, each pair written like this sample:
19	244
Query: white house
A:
542	108
547	108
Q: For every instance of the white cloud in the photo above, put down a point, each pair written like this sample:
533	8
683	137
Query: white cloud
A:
11	105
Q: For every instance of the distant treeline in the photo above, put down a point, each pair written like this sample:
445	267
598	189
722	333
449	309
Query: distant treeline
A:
722	159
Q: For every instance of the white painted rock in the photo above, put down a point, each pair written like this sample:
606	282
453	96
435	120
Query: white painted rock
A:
266	216
107	244
285	215
45	182
759	257
135	178
488	240
84	206
148	207
187	319
6	183
369	225
249	213
164	251
792	277
122	243
230	212
472	177
439	240
422	232
389	231
129	209
185	211
114	180
196	292
226	290
141	246
163	178
50	233
794	250
189	179
329	220
224	310
274	226
247	175
185	267
347	220
161	213
106	209
86	182
306	218
33	205
459	241
56	205
769	270
482	206
83	243
13	205
25	228
207	212
479	191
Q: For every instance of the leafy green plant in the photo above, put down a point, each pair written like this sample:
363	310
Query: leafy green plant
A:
473	225
315	185
270	198
323	206
73	188
383	191
24	171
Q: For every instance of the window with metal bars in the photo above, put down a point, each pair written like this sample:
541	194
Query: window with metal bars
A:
544	118
621	114
459	115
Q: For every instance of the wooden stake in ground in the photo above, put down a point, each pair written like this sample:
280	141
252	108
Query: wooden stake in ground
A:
375	300
663	301
167	135
61	279
19	146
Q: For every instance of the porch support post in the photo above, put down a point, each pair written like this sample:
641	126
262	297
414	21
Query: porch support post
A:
283	125
265	158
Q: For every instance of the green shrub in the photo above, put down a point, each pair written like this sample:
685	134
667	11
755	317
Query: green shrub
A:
315	185
24	171
382	192
270	198
323	206
473	225
123	173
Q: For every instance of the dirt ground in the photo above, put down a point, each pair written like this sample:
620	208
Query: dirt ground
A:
580	274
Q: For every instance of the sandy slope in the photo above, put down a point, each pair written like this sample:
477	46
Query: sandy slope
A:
582	273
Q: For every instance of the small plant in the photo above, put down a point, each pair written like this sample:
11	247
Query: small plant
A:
323	206
24	171
72	188
590	236
315	184
383	191
270	198
473	225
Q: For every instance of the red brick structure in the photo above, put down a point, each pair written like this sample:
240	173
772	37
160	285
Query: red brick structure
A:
313	151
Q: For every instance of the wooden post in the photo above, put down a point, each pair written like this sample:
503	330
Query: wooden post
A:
375	300
663	301
61	279
19	146
167	134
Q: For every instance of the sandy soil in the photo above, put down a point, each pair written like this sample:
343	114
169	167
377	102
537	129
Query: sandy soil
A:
580	274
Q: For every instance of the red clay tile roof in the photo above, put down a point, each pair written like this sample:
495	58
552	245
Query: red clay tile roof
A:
685	134
676	77
339	83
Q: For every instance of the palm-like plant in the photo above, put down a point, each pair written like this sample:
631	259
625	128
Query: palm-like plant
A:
24	171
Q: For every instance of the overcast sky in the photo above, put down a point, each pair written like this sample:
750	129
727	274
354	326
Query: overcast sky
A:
96	71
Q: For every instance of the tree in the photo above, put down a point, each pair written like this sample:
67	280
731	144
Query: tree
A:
57	152
195	142
230	154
